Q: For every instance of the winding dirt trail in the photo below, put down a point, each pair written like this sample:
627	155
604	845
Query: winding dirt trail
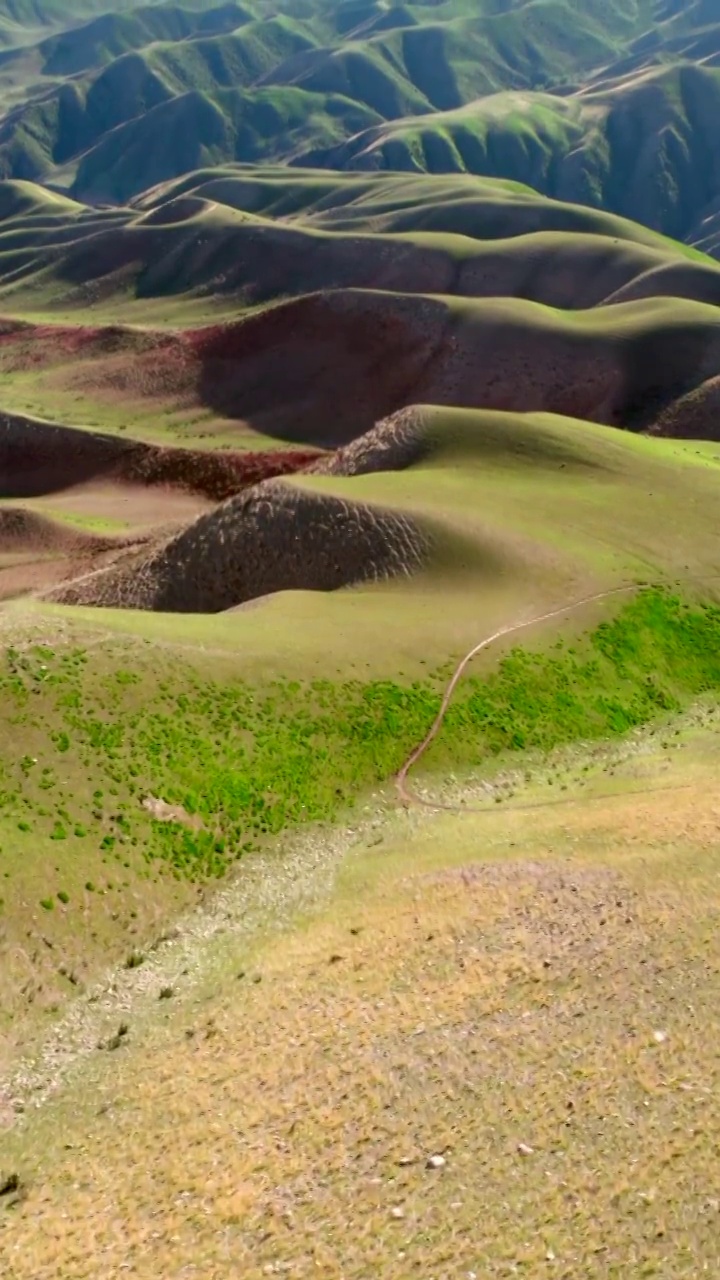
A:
410	797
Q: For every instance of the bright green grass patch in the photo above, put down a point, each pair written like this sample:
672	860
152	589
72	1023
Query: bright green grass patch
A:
245	762
656	655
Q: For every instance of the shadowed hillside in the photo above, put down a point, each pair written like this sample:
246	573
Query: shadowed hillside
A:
604	104
643	147
250	236
325	367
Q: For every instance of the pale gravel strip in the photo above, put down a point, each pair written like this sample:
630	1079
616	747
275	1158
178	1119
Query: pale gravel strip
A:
270	891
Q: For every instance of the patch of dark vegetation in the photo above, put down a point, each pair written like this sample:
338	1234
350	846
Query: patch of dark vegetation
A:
13	1190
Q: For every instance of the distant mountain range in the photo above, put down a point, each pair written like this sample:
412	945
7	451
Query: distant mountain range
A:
613	104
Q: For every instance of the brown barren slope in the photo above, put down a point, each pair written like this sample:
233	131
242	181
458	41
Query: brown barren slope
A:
271	538
39	457
82	476
37	553
323	369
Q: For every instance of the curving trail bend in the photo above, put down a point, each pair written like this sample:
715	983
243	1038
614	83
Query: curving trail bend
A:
404	791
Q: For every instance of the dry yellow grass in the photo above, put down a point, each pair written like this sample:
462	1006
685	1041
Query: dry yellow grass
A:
528	994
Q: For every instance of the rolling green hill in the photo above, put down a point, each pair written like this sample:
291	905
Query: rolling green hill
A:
599	103
235	238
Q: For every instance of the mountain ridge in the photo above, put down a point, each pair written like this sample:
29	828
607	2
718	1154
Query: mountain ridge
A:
607	105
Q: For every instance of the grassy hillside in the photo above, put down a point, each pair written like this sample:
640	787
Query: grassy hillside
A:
195	130
359	638
164	756
128	789
23	18
642	148
139	94
487	1000
235	238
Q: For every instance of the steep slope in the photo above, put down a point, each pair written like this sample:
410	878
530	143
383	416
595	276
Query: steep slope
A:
323	368
274	538
606	105
23	18
643	148
186	132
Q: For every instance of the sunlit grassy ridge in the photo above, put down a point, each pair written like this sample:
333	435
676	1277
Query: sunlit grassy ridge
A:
232	238
636	148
